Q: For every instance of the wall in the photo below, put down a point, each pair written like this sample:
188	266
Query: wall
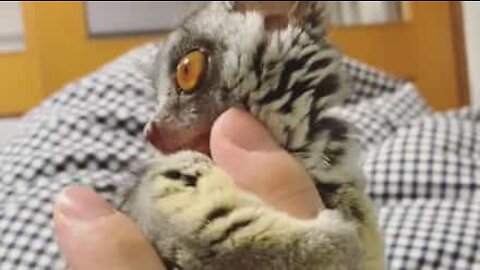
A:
20	85
58	50
67	52
471	15
421	49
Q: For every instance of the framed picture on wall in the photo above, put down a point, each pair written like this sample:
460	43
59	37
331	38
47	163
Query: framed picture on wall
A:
11	27
135	17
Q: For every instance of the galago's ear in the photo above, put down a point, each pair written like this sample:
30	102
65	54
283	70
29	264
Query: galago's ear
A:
309	15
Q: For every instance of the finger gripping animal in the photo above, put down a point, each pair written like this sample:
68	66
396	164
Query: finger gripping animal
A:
280	67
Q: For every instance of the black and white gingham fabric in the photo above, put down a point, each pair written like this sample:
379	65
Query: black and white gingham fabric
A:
368	82
376	119
425	179
90	134
423	166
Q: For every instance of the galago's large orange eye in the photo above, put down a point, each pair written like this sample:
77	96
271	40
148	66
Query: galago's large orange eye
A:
190	70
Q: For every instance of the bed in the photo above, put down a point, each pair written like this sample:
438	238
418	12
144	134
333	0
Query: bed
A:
423	167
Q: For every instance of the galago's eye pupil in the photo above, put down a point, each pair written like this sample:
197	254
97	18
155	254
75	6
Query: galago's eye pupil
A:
190	70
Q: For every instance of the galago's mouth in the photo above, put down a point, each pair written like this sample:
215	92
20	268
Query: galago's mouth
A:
169	140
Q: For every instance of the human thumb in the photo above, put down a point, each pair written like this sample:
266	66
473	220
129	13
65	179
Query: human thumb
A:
244	148
92	235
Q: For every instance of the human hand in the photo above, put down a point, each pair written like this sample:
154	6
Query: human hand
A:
92	235
245	149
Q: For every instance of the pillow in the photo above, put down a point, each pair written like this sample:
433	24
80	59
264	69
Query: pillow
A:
368	82
90	133
425	181
380	117
433	157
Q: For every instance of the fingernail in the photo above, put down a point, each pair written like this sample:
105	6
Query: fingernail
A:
246	132
81	204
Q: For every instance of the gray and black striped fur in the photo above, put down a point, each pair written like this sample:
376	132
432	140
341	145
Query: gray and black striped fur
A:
287	76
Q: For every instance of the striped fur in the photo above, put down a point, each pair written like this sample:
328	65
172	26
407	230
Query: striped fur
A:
288	78
213	225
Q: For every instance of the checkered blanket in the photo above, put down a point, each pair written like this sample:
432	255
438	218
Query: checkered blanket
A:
423	167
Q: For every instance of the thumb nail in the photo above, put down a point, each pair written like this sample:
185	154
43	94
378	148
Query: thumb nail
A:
82	204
